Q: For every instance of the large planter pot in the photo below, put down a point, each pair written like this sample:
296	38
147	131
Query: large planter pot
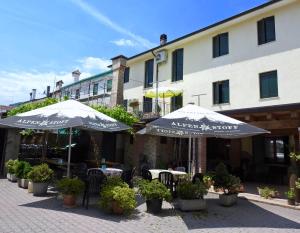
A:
297	192
116	209
39	189
154	205
23	183
8	176
69	201
30	186
291	201
13	178
192	205
228	199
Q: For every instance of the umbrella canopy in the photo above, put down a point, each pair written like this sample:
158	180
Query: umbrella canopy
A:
66	114
163	92
194	121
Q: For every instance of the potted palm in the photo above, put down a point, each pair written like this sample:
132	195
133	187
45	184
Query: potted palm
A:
22	169
228	183
40	176
70	188
117	197
154	192
191	196
291	196
10	166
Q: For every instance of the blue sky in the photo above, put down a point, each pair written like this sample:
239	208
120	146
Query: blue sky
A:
44	41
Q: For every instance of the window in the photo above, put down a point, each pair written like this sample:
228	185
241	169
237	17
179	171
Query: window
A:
126	75
95	89
220	45
77	94
109	85
268	84
276	149
147	105
177	65
125	104
266	30
221	92
176	103
149	73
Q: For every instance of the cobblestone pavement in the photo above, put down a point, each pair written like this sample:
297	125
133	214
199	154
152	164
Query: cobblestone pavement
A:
22	212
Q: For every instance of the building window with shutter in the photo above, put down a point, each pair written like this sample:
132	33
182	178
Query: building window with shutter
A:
109	85
149	65
125	104
176	103
147	104
126	75
177	65
95	89
266	30
268	84
221	92
220	45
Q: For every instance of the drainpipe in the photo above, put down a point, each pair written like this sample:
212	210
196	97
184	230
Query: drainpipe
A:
156	85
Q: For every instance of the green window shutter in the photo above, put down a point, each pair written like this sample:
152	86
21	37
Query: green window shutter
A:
224	46
126	75
109	85
261	32
270	29
215	93
179	65
216	46
174	64
225	91
268	84
273	85
149	65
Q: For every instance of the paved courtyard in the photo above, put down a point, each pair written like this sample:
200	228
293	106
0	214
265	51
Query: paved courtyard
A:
22	212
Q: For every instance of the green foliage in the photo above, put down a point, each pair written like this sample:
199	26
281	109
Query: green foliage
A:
291	193
208	179
68	186
294	156
267	192
189	191
297	183
40	174
27	132
154	190
117	190
11	166
223	180
31	106
118	113
22	168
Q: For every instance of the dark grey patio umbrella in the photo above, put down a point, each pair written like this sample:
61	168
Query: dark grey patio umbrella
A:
193	121
67	114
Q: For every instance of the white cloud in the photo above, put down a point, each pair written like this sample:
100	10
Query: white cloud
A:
111	24
124	42
94	63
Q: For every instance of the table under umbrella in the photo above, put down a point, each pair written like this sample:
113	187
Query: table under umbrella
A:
67	114
193	121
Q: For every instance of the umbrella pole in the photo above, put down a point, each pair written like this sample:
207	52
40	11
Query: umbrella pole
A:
190	147
69	153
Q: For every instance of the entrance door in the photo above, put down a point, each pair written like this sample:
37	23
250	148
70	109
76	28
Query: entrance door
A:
276	149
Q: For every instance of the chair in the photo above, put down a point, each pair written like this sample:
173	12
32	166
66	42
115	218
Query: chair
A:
94	181
198	177
146	174
180	169
80	171
168	180
127	176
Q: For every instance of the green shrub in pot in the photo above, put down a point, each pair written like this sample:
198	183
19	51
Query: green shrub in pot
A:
40	176
11	169
22	168
291	195
208	179
70	188
154	192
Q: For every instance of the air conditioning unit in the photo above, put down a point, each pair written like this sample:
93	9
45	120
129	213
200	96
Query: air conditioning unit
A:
161	56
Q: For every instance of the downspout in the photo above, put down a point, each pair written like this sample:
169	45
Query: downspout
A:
156	85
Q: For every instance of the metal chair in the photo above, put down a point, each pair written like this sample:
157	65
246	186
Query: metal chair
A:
127	176
80	171
198	177
168	180
146	174
94	181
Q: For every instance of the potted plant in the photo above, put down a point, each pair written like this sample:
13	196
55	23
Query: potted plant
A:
228	183
117	197
191	196
297	190
22	169
291	196
10	166
208	179
70	188
40	176
154	192
267	192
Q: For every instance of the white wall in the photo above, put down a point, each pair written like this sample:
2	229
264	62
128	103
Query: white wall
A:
241	66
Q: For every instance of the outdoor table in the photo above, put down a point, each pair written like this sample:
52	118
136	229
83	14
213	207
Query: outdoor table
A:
176	174
111	171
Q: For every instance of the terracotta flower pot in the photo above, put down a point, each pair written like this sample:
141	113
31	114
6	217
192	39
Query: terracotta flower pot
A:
116	209
69	201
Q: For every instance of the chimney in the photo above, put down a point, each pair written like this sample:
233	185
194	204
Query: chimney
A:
33	94
76	74
163	39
